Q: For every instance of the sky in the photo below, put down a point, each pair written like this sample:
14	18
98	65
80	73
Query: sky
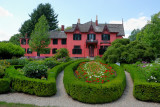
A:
135	13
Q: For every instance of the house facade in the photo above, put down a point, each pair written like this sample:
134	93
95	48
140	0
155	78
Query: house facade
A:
82	40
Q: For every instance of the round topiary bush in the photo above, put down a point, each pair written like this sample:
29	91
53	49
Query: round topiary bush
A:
35	70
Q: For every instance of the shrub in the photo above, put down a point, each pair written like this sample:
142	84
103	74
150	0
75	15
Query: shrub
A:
124	51
17	61
38	87
4	85
61	53
2	68
9	50
143	90
50	62
35	70
93	93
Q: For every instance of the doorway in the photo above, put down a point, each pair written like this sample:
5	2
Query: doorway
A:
91	50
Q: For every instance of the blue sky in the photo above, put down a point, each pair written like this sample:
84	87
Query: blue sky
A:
135	13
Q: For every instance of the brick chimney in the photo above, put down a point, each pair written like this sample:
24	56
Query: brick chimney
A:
78	21
96	20
62	28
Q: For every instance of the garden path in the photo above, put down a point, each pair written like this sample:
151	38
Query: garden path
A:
61	99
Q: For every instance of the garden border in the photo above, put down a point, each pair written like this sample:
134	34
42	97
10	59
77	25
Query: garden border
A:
4	85
93	93
143	90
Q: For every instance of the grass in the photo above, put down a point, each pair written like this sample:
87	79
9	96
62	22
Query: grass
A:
5	104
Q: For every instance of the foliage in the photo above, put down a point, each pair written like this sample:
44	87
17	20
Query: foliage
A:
35	70
5	85
40	36
9	50
150	33
15	39
61	53
6	104
124	51
132	37
2	68
38	87
95	72
68	28
42	9
50	62
17	61
93	93
143	90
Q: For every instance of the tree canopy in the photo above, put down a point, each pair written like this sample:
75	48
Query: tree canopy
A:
132	37
42	9
150	34
124	51
40	36
15	39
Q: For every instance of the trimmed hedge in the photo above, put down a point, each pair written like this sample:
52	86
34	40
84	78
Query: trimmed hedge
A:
34	86
143	90
4	85
93	93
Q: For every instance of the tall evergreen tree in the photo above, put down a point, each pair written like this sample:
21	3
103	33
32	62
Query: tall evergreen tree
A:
40	36
42	9
132	37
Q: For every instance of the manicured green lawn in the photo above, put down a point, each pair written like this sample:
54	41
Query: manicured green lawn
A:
4	104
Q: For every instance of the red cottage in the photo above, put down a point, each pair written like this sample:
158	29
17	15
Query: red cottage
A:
82	40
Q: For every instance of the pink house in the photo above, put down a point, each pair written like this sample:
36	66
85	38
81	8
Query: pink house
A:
82	40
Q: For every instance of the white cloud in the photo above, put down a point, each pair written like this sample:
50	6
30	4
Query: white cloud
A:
4	12
4	36
132	23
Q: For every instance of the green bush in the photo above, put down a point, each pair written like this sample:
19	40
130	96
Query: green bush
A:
50	62
93	93
33	86
61	53
9	50
124	51
4	85
17	61
143	90
2	68
35	70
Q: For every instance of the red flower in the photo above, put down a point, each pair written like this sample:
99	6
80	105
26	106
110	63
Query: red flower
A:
102	82
86	77
86	81
108	80
97	78
79	77
90	81
97	81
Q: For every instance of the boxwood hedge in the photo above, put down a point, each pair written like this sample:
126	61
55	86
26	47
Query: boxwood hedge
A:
34	86
93	93
143	90
4	85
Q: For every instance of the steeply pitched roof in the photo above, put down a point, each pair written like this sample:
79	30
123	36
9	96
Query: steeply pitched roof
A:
57	34
111	27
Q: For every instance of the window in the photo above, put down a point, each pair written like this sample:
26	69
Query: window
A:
105	37
28	41
76	36
29	51
63	41
54	50
91	37
76	50
102	50
23	41
55	41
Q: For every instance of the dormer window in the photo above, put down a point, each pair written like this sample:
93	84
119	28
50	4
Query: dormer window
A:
105	37
91	37
76	36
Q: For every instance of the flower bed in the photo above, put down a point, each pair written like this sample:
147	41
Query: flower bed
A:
143	89
90	92
95	72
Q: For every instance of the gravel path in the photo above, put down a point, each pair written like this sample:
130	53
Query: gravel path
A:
61	99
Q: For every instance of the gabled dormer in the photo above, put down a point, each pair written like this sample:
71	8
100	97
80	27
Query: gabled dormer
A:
105	29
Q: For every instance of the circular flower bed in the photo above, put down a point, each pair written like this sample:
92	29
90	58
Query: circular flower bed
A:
95	72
